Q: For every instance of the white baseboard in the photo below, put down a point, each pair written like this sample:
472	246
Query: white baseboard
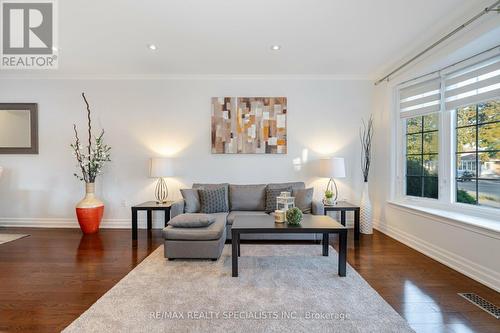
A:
72	223
463	265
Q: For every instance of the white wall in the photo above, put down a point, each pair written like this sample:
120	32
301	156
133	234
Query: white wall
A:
471	251
169	117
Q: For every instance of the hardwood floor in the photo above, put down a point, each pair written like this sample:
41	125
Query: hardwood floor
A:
420	289
48	279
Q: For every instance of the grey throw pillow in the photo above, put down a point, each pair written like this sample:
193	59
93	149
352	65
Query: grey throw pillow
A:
191	200
213	200
192	220
272	194
303	199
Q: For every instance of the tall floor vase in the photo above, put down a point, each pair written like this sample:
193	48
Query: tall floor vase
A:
89	210
366	222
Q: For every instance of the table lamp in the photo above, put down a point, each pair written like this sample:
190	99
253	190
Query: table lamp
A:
335	168
160	168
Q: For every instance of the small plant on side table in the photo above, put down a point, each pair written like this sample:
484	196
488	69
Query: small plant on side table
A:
328	198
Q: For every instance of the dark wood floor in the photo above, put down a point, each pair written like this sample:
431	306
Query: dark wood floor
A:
48	279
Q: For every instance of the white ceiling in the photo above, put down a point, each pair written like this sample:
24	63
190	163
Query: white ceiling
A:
355	38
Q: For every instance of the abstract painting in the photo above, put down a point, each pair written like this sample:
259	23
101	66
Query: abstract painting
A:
249	125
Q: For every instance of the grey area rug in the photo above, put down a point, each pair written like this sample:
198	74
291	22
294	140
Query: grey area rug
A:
280	288
5	238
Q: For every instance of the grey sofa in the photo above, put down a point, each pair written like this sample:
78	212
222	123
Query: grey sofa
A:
250	200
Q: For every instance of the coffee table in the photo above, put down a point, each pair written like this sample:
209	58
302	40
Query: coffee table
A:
314	224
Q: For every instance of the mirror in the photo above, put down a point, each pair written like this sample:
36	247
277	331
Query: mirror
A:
18	128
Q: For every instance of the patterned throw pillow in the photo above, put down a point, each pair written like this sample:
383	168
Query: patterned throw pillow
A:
213	200
271	195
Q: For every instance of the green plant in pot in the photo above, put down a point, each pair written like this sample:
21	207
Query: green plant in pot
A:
328	198
294	216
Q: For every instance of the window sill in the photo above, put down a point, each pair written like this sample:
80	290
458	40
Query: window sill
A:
485	226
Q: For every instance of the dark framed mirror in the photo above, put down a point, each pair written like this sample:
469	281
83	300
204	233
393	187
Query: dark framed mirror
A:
18	128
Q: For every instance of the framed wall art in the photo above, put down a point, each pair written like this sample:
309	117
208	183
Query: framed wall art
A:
249	125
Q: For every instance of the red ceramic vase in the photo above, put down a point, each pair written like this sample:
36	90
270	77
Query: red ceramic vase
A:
89	211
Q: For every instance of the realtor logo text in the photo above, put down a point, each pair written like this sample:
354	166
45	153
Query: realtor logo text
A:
28	34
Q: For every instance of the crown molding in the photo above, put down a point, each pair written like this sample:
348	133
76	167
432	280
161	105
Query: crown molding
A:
48	76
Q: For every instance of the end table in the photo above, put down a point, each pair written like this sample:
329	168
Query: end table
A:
149	206
342	207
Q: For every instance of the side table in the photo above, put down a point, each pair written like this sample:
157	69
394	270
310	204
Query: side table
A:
343	207
149	206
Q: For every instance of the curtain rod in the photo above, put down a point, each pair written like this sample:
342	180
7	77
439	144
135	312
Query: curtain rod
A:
487	10
453	64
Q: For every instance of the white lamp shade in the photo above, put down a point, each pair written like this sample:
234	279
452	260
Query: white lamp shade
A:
334	168
161	167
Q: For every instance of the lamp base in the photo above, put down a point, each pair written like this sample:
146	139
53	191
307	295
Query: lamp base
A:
161	191
333	200
161	202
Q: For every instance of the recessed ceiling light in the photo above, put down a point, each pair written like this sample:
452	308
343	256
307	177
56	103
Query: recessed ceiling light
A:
276	47
152	47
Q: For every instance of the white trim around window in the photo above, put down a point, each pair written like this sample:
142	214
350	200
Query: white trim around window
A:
446	201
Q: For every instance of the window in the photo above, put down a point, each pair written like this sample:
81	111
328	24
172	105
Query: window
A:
420	105
478	154
449	141
422	156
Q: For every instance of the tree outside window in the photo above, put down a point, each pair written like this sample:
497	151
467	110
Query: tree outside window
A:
422	146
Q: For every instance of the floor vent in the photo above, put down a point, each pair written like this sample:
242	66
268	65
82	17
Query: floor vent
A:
477	300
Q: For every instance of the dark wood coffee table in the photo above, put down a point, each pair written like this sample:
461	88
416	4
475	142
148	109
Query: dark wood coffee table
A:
314	224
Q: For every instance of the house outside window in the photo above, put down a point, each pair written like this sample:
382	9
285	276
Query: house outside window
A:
478	154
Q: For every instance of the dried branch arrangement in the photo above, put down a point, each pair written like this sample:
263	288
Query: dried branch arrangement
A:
366	136
91	158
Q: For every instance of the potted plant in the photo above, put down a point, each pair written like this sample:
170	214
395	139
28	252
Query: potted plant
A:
328	200
91	159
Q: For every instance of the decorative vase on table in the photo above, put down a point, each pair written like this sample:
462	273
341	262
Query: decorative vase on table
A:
90	210
91	159
365	221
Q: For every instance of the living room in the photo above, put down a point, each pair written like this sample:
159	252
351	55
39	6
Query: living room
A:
251	166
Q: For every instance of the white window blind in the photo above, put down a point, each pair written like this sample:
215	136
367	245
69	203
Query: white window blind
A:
420	99
473	85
